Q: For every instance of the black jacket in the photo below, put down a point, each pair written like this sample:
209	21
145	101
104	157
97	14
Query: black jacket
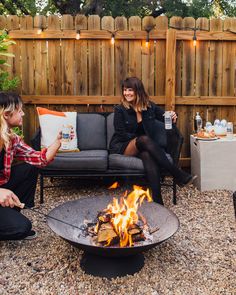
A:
125	124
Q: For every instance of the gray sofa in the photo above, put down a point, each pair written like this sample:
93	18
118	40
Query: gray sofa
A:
94	132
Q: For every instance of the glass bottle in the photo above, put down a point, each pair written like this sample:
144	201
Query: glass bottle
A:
197	122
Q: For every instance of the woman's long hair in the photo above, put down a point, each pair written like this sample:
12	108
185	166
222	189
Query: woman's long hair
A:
142	99
9	102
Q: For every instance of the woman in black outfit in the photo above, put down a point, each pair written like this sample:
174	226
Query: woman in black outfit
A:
136	134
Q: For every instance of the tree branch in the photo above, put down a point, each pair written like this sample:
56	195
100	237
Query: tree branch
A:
8	7
21	7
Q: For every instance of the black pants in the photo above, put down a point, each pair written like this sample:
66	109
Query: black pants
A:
23	180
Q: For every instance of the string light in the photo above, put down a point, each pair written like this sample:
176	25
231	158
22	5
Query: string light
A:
112	38
147	40
148	30
77	37
194	38
194	32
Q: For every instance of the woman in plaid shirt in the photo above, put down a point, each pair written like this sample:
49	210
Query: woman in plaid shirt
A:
18	183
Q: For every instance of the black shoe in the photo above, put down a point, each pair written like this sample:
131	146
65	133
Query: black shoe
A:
31	235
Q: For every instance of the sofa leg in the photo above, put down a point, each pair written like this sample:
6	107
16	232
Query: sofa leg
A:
41	189
174	192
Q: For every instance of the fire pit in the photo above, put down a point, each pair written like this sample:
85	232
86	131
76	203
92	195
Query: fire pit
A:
101	260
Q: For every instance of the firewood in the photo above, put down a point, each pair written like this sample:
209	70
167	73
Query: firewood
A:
138	237
134	229
103	217
106	233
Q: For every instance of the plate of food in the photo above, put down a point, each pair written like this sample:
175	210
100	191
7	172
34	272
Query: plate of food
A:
207	136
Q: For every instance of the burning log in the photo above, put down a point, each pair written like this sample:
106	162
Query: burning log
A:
120	222
106	233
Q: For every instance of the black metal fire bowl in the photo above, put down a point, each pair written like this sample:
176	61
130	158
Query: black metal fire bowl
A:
75	212
109	262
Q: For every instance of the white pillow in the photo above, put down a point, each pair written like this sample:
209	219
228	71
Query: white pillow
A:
52	122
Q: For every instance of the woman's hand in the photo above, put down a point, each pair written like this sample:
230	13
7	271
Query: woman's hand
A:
173	116
8	198
54	147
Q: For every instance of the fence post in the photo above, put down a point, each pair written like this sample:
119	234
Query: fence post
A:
170	69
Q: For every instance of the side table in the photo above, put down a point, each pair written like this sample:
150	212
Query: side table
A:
214	162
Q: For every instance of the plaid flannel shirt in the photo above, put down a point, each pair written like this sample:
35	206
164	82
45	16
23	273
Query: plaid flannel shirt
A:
21	151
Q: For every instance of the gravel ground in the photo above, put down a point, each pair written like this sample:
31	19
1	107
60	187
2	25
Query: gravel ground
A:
199	259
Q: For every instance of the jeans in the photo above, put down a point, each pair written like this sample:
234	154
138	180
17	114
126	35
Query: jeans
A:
23	180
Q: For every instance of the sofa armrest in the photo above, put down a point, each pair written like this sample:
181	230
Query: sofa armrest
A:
35	141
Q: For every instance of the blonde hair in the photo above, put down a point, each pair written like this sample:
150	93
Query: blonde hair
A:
142	101
9	102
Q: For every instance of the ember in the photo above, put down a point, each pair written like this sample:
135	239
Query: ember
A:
120	222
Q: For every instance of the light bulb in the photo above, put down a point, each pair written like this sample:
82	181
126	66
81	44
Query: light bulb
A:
194	42
112	39
39	31
77	37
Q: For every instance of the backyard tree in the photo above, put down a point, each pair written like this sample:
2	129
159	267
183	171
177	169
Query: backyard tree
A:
195	8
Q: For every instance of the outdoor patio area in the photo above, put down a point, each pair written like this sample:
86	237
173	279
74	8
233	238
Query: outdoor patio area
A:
198	259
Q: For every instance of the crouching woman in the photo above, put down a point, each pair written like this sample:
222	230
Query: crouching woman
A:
18	182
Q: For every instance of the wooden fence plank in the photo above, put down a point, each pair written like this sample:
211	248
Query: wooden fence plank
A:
177	22
121	35
160	57
147	53
135	49
40	53
202	68
188	84
215	77
81	58
215	68
94	73
27	58
170	70
54	58
67	58
202	60
121	55
107	58
94	99
27	70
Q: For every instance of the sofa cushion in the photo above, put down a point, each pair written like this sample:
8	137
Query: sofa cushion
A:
84	160
91	131
121	162
110	128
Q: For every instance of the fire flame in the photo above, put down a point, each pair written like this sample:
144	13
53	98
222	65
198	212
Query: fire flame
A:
114	185
124	213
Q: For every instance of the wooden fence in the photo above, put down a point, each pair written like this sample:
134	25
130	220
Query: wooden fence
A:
63	73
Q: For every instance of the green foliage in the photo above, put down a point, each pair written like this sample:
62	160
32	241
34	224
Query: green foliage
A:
127	8
6	83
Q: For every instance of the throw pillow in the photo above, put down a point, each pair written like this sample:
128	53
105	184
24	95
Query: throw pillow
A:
52	122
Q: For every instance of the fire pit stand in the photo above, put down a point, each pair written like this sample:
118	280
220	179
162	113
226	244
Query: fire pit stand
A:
109	261
111	267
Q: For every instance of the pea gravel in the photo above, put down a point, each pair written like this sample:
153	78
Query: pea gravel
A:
200	259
